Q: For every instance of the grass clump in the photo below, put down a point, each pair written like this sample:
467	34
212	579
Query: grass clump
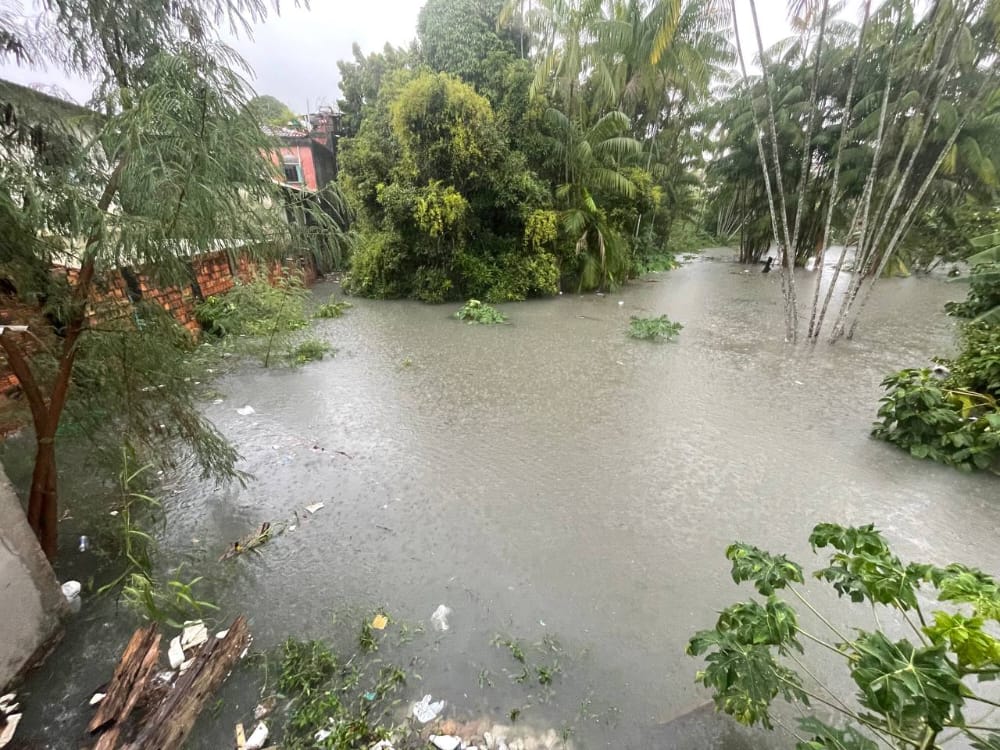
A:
475	311
653	329
332	308
309	350
348	702
256	308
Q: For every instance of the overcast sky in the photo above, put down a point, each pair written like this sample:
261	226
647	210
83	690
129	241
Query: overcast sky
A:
295	55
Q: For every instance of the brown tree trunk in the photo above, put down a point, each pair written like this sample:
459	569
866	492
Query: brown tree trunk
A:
43	500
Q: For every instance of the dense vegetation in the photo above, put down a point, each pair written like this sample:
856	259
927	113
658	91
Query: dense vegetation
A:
914	692
952	414
508	154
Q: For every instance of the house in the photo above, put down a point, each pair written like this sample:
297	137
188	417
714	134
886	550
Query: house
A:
308	157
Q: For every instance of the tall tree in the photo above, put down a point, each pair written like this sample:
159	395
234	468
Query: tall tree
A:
175	164
271	110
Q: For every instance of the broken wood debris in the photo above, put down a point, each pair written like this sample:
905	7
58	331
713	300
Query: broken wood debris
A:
166	713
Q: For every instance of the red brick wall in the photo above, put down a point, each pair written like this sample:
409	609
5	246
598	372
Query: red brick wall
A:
110	300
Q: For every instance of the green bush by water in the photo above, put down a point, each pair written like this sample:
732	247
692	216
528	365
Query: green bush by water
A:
256	308
953	416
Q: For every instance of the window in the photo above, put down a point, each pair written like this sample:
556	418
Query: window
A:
292	166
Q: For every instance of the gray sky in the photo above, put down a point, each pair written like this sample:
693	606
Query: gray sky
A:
295	54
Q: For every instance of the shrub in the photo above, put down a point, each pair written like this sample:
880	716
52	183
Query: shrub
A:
931	419
432	285
256	308
984	293
309	350
475	311
977	367
332	308
653	329
374	268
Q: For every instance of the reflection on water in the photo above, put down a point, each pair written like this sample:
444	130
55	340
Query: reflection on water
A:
551	476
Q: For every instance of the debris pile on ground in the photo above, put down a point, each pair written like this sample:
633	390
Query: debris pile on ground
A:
142	707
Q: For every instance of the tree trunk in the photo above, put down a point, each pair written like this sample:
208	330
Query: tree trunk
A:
43	499
789	325
785	247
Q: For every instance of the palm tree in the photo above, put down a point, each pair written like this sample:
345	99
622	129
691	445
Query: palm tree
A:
592	159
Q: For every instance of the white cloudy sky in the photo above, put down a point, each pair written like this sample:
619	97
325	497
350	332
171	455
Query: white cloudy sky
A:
294	54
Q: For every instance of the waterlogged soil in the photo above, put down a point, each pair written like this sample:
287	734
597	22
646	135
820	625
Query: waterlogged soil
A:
549	477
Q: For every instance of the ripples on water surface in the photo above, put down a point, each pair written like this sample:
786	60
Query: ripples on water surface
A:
554	471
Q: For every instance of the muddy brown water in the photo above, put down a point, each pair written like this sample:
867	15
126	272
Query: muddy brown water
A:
549	476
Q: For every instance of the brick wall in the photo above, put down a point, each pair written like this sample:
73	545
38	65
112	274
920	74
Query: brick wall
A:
110	299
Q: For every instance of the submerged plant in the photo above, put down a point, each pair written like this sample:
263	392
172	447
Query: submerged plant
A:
309	350
653	329
256	308
332	308
475	311
333	703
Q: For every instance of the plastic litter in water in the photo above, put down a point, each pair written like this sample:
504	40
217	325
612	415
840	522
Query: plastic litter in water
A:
380	622
246	411
440	618
195	633
259	736
446	741
71	590
425	710
175	653
84	543
315	507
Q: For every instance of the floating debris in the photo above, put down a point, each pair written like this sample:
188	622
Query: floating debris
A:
424	710
315	507
440	618
246	411
250	541
380	622
259	736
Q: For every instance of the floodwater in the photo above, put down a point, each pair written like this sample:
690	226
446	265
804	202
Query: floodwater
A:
549	476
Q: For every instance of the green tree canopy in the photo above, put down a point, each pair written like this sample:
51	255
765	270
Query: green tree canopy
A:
461	37
270	110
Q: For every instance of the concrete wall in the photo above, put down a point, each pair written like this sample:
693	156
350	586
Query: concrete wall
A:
31	601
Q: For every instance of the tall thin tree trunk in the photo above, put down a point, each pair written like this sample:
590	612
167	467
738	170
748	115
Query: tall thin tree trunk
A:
867	261
788	263
805	169
903	225
813	330
789	327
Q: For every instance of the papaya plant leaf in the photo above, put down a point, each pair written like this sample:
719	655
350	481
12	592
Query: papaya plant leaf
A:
964	585
767	572
751	624
912	687
825	737
966	638
744	679
864	567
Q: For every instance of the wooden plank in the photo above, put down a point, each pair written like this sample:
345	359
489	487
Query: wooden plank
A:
126	687
169	724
